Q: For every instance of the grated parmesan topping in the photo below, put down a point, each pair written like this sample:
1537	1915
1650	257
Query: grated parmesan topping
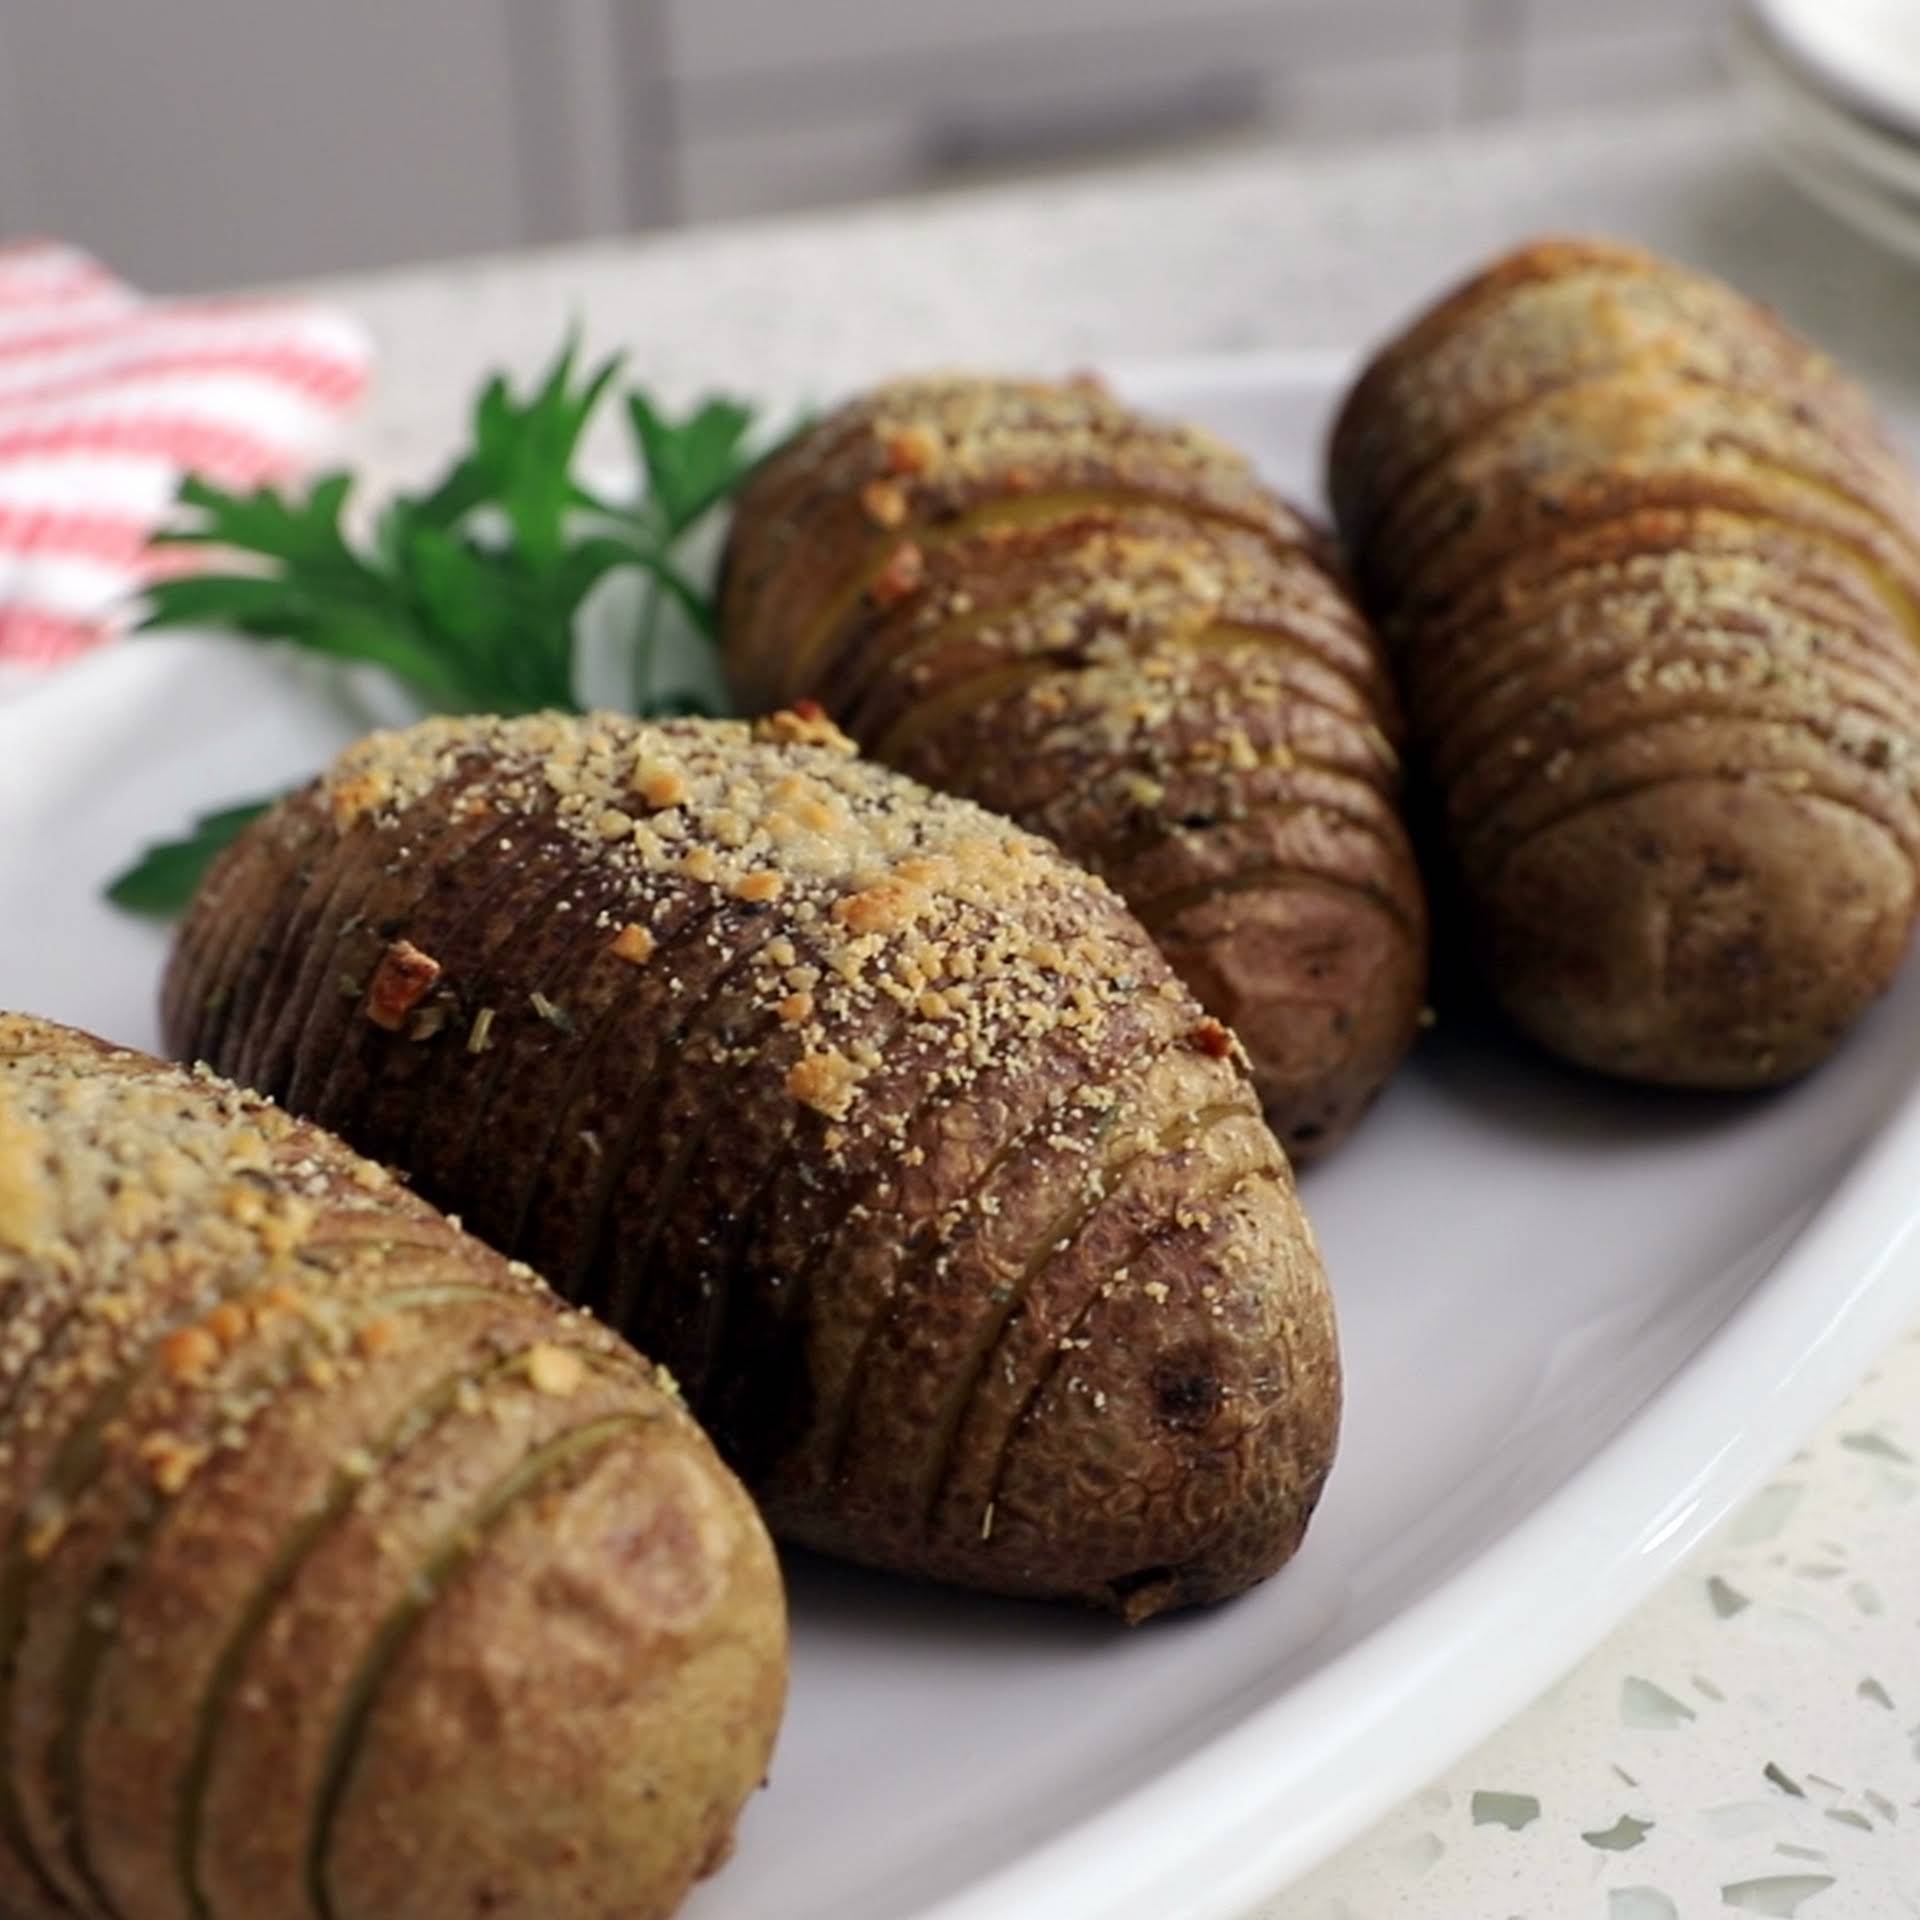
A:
159	1220
892	910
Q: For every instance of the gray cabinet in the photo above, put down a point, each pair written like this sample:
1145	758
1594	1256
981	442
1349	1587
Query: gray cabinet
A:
200	142
214	142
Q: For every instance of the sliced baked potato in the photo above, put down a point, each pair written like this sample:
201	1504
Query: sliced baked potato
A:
345	1570
1650	571
884	1127
1102	625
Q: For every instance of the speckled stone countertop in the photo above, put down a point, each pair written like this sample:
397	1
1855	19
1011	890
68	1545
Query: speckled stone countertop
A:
1749	1740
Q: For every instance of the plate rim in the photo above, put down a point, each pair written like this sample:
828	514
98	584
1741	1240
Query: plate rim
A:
1853	90
1871	208
1801	112
1860	1227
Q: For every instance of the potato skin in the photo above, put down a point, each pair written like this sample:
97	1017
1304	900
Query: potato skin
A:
1102	626
1650	573
885	1128
287	1436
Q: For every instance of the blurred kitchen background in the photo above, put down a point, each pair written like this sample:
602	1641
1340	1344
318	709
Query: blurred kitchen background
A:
210	143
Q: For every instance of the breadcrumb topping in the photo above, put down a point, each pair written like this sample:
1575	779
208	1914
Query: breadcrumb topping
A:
160	1225
941	433
884	898
634	944
557	1371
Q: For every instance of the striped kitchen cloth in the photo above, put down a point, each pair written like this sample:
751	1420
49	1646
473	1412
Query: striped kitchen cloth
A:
106	399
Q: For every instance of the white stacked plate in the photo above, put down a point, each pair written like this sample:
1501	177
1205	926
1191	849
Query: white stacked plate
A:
1837	87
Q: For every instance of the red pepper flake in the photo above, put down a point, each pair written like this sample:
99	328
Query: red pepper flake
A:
404	977
1212	1039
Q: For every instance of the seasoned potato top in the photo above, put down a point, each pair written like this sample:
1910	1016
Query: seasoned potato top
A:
179	1157
300	1487
1174	637
1101	624
124	1186
884	1127
889	483
934	442
1651	570
964	924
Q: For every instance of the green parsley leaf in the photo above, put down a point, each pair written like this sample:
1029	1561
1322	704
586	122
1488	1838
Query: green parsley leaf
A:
468	594
692	465
164	877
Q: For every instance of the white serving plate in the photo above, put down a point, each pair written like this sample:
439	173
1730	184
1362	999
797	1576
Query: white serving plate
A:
1859	167
1580	1322
1863	53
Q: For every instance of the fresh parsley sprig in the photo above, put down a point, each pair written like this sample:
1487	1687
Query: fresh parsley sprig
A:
162	880
468	594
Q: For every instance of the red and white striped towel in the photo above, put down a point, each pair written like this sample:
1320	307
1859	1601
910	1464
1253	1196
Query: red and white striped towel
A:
106	400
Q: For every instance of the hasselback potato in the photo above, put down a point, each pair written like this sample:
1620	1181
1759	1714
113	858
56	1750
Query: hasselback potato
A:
1103	626
1651	573
346	1571
882	1126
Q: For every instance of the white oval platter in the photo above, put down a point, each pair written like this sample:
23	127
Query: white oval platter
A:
1580	1322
